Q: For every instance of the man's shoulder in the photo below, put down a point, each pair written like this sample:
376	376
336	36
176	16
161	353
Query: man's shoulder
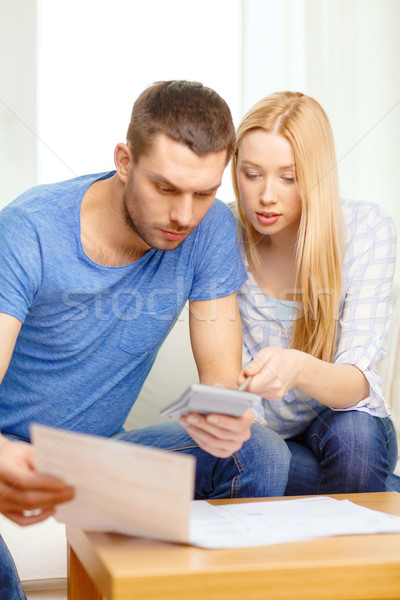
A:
219	215
220	207
48	196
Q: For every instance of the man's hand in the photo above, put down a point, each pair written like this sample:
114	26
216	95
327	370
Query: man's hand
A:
219	435
24	489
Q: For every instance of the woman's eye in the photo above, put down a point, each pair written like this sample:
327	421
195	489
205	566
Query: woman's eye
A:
252	175
288	179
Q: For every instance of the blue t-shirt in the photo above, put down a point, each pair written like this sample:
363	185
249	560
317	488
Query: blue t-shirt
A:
90	333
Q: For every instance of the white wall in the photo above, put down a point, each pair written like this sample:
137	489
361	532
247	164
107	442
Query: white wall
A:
18	166
274	48
353	50
345	53
94	57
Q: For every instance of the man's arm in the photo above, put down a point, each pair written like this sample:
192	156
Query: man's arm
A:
21	488
9	330
216	337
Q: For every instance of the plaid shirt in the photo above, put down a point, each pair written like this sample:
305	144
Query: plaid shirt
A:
365	311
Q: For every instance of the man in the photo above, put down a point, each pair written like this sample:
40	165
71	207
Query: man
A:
94	272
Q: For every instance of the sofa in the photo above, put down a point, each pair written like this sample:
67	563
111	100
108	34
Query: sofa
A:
40	550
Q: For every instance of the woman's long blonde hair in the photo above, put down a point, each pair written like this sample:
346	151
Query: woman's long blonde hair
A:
303	122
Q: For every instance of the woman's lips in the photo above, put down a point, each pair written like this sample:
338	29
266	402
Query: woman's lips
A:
267	218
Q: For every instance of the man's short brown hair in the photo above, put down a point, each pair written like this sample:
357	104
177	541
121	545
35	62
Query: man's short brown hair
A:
186	111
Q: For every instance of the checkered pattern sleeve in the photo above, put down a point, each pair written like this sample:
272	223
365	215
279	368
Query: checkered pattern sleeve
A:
366	306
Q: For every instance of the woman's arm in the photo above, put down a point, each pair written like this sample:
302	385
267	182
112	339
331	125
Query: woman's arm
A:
362	326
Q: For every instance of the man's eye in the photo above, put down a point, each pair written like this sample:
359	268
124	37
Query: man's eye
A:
204	194
164	190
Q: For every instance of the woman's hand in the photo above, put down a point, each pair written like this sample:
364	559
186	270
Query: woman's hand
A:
277	370
219	435
274	371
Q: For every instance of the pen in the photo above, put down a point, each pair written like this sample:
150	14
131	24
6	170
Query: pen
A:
245	384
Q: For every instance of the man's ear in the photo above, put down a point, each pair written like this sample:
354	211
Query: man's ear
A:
123	159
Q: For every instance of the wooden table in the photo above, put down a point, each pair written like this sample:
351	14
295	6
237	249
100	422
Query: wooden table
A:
341	568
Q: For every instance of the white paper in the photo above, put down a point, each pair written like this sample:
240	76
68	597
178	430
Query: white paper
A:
278	521
137	490
119	486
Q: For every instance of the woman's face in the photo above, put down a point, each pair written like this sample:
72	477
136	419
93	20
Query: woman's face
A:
267	183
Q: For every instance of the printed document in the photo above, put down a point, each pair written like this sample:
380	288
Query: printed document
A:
248	524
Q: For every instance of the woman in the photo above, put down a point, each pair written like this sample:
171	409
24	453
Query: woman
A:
317	304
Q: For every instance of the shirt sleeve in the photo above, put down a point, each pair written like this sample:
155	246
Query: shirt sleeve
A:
219	270
259	412
367	305
20	263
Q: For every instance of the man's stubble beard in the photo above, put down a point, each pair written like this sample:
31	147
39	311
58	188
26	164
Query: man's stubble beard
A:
144	239
127	215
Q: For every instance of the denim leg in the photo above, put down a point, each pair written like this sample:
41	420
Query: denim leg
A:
260	468
305	471
10	585
392	483
352	451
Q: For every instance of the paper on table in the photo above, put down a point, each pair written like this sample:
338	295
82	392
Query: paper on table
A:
119	486
278	521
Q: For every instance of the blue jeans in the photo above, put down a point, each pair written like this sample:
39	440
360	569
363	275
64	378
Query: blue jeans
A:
260	468
10	585
343	452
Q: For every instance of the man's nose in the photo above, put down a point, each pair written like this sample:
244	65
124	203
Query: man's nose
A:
182	210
